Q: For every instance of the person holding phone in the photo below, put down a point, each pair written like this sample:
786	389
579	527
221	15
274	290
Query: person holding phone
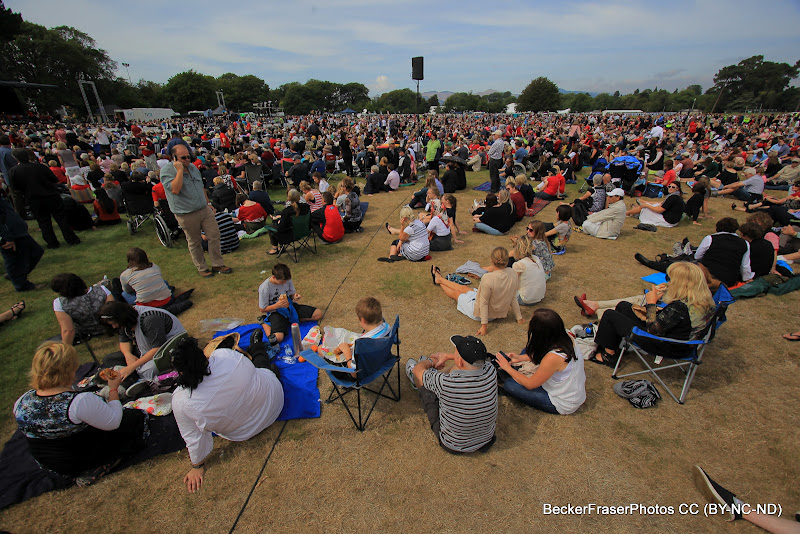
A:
549	375
187	199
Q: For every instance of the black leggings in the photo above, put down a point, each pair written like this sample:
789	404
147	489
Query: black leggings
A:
615	325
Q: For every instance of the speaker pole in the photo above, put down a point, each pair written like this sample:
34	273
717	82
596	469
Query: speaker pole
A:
417	99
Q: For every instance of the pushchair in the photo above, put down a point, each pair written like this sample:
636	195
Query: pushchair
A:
600	167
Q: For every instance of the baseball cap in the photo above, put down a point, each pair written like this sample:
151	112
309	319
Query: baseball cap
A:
617	192
470	348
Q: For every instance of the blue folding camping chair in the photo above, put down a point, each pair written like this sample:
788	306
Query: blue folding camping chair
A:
375	360
687	355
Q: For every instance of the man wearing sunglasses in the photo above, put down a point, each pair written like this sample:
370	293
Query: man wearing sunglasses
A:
666	214
187	199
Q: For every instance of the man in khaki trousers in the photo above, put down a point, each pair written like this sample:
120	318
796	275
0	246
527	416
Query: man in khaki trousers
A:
187	199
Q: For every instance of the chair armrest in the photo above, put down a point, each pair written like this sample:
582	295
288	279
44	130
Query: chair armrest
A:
638	332
321	363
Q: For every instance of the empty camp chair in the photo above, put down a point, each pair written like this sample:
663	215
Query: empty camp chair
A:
375	361
253	173
685	355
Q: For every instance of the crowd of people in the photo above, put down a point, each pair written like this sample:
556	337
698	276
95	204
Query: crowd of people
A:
208	173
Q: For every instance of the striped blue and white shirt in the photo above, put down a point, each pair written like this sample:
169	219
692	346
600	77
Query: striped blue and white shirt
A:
467	405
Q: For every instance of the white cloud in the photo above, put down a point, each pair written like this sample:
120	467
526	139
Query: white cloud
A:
381	85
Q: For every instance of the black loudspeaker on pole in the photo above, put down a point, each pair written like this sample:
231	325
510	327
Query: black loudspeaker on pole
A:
416	68
416	74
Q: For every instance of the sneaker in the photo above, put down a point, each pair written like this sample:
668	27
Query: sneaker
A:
410	371
138	387
687	249
677	250
716	493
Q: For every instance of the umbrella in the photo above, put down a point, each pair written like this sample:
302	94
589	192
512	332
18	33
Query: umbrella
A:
454	159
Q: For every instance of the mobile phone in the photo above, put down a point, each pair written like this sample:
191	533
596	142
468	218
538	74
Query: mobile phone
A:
504	354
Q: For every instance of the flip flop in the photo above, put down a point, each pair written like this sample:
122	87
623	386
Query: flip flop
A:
585	310
386	260
387	229
791	337
433	274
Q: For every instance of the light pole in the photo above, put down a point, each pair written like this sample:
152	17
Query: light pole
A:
126	65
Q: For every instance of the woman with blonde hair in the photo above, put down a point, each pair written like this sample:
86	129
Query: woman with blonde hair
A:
532	277
689	306
412	238
77	435
496	294
311	196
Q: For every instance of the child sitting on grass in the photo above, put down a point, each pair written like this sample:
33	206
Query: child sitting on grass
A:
370	317
274	295
558	233
449	203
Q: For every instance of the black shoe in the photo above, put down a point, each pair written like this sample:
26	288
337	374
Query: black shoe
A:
641	259
53	246
716	493
257	336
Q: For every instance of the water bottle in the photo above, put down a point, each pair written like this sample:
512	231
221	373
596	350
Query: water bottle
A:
296	342
590	331
288	355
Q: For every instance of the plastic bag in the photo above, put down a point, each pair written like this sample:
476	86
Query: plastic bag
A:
332	338
313	337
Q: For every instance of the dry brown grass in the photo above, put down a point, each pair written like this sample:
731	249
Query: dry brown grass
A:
325	476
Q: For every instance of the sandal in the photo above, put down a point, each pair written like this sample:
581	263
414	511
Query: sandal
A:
791	337
272	252
17	309
433	273
604	358
387	229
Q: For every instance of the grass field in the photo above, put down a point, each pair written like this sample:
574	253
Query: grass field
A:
325	476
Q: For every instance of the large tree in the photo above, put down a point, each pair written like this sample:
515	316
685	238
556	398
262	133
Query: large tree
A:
189	91
752	82
540	95
397	101
241	92
59	56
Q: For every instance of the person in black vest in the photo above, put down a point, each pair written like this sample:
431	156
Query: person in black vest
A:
450	178
404	165
725	254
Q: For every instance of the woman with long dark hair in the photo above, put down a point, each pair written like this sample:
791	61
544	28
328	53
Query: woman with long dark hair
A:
223	392
105	208
549	375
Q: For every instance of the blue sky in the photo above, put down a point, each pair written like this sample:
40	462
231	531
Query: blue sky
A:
592	45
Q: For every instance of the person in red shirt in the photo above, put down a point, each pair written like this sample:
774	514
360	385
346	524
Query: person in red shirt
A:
669	174
135	130
327	221
554	184
251	214
517	199
58	171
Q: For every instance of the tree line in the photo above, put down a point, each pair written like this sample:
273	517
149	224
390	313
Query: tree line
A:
61	55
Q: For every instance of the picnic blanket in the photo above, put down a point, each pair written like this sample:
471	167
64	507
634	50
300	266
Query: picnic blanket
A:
299	380
485	186
21	478
538	205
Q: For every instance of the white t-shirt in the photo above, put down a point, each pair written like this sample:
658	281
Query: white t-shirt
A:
236	401
438	227
532	279
417	246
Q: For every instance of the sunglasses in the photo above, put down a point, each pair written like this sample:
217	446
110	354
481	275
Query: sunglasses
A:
529	229
185	157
